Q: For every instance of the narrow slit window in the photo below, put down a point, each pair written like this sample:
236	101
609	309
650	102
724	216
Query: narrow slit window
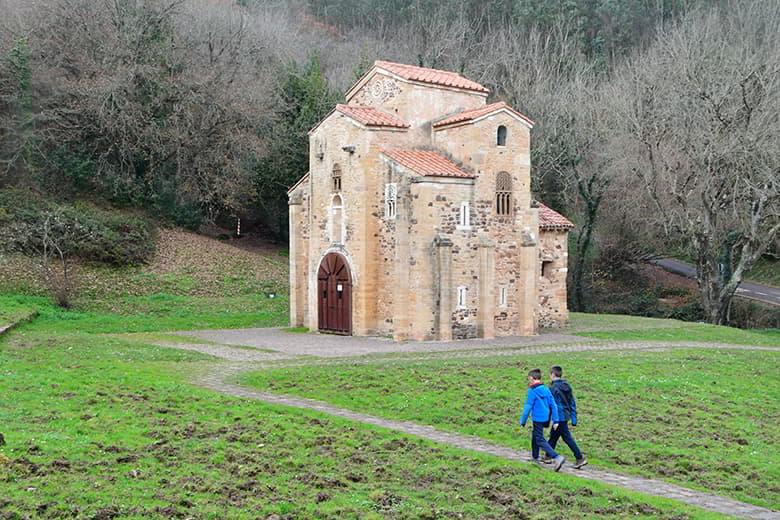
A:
502	296
464	218
503	194
462	297
391	200
501	136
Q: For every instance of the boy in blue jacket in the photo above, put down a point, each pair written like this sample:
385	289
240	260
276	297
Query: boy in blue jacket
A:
567	411
540	405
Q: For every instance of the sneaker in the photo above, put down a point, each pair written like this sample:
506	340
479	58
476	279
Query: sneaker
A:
536	461
580	463
546	459
560	460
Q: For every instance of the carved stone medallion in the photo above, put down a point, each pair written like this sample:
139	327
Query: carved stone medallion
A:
378	91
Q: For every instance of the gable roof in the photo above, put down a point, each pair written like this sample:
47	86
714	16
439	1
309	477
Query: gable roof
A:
433	76
443	78
298	183
474	114
426	163
370	116
551	219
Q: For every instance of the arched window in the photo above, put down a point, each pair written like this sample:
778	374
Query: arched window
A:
336	220
501	136
336	176
503	194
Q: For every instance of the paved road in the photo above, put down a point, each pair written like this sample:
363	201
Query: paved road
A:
762	293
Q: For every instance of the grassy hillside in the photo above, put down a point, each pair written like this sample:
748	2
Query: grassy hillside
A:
13	311
191	282
766	272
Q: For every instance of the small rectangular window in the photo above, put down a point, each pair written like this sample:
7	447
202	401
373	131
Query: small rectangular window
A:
462	297
464	217
391	203
547	269
502	295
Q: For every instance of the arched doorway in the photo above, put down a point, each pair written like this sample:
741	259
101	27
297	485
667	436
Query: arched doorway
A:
334	283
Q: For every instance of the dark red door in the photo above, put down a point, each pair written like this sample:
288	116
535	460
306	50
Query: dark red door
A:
335	295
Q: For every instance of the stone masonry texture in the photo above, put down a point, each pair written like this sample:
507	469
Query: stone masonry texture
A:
425	272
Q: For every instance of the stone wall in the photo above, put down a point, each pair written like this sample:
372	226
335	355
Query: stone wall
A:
418	105
553	261
406	270
299	253
514	268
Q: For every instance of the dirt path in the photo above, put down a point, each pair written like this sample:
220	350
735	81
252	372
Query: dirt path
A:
220	379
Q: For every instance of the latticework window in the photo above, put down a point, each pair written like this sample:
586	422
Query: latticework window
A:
503	194
391	195
336	176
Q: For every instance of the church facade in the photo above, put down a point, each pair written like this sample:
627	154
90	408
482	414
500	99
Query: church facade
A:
416	220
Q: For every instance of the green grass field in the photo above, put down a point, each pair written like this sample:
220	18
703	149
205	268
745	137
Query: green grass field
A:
157	312
102	426
634	328
695	417
14	310
100	423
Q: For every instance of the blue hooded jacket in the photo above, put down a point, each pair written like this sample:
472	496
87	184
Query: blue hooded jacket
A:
564	398
539	403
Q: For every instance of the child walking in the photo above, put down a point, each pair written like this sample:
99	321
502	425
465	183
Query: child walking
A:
567	411
540	405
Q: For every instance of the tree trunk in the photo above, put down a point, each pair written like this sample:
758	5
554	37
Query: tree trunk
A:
584	241
717	286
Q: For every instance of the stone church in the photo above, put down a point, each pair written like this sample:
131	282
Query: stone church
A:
416	220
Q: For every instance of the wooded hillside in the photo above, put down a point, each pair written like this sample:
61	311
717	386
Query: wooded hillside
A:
658	119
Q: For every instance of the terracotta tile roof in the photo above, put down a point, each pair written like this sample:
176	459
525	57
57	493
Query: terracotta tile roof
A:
476	113
370	116
551	219
432	76
427	163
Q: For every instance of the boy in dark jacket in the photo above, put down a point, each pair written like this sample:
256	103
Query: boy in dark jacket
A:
540	405
567	410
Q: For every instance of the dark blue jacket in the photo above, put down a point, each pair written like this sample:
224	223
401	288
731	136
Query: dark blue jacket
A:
564	398
539	403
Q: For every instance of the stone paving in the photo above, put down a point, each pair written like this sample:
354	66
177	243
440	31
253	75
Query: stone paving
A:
328	345
221	378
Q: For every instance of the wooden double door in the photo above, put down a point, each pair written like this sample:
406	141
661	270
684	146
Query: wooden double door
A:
334	283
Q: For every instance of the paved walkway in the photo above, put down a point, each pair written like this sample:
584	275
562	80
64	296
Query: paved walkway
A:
328	345
243	359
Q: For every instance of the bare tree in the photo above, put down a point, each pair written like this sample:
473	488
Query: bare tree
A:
154	96
52	240
574	151
699	130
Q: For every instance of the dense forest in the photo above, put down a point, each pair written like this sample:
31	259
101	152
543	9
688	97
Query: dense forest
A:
658	122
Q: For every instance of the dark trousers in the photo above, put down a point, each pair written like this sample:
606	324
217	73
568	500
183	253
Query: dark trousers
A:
563	432
538	441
